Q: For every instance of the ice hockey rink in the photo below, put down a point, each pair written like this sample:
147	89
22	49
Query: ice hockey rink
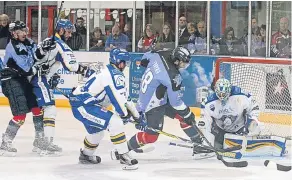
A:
165	162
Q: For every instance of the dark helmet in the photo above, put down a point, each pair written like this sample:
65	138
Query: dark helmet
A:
17	25
180	53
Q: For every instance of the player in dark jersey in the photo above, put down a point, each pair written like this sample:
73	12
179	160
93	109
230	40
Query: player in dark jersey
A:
160	95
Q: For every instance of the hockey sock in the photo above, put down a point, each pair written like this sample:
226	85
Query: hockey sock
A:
140	139
38	123
120	142
91	142
49	127
189	130
12	129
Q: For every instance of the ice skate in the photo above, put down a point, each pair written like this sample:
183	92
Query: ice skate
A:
84	159
38	143
50	149
6	148
126	159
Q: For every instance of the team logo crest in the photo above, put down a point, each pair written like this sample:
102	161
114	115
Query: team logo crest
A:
138	64
177	80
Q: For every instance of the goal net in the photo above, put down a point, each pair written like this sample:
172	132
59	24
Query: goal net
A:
269	82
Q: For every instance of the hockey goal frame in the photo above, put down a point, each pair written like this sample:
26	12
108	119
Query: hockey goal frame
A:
265	117
249	61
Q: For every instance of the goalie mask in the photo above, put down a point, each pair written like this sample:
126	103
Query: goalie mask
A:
222	89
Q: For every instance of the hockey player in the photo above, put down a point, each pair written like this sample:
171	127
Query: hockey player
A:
230	116
21	54
46	80
160	95
89	104
230	110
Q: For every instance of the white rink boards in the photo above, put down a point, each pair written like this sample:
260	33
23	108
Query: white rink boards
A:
165	162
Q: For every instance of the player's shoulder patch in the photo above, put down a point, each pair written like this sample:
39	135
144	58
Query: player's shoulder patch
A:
117	76
235	90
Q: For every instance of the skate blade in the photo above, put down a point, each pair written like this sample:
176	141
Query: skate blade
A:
86	162
7	154
203	156
36	150
130	167
50	154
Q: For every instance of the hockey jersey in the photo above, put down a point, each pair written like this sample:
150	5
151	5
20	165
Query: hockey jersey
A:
161	83
61	55
109	83
229	116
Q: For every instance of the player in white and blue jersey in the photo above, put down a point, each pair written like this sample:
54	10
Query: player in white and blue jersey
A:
46	80
89	105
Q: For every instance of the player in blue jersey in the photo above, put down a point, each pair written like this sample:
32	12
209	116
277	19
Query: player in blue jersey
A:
21	55
46	80
160	95
89	105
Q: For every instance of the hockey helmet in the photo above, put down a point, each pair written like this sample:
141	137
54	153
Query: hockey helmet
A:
223	89
65	24
17	25
181	56
118	56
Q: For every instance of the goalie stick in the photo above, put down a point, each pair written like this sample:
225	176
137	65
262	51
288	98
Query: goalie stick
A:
227	152
279	167
234	148
238	164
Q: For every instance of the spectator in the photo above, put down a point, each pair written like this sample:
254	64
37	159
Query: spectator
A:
116	39
166	38
198	40
128	32
258	47
229	44
145	42
183	33
4	31
281	41
97	40
78	39
254	26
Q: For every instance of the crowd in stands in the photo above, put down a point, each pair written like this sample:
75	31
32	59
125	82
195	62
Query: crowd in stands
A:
192	35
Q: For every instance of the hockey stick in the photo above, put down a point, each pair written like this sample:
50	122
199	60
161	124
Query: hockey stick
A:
234	148
279	167
238	164
229	154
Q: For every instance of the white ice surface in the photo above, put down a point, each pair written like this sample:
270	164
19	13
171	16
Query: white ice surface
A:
165	162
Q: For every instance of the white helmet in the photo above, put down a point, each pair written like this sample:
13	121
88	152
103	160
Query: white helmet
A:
222	89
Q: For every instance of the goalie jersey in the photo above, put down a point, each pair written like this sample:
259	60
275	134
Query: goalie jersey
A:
161	83
230	116
102	87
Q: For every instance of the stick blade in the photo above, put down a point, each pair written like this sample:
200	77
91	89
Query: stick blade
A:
279	167
239	164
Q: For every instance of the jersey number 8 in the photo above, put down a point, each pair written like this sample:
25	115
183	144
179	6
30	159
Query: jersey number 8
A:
147	78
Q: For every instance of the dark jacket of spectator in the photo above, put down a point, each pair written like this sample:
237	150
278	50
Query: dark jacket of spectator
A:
5	35
97	40
229	44
75	42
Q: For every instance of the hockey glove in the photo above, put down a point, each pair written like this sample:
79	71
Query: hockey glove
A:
141	122
47	45
54	81
82	70
127	118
